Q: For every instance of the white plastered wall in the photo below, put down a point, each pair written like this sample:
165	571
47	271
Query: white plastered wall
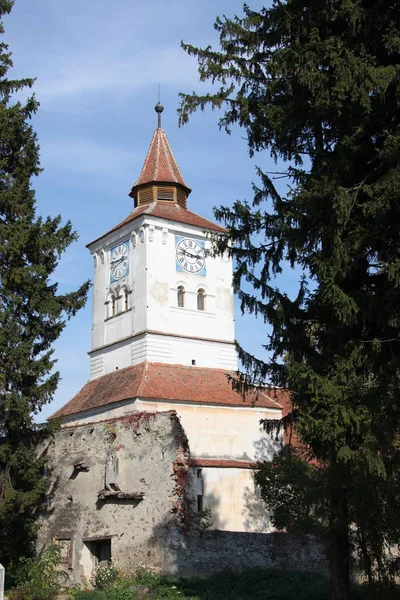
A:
208	336
235	503
220	431
163	349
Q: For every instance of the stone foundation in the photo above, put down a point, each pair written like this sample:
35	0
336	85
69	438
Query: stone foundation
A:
208	552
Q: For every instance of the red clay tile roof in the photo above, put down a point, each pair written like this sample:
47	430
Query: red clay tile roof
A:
222	463
160	164
159	381
170	212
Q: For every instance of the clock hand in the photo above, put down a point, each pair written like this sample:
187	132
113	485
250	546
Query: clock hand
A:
190	254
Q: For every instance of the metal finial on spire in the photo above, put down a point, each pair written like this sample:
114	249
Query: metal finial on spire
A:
159	107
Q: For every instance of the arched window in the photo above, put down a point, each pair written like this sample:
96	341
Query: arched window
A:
200	299
181	296
126	298
110	305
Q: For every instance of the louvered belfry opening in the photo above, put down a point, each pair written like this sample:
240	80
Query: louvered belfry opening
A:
160	179
159	193
167	193
145	196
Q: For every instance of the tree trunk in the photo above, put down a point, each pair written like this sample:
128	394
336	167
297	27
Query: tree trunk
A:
340	547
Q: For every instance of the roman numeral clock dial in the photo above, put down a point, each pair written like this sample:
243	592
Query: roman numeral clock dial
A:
119	261
190	256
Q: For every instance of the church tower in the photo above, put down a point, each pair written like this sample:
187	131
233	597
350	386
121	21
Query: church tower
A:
159	295
163	340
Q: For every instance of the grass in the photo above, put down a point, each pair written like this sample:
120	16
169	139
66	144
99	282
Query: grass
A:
251	584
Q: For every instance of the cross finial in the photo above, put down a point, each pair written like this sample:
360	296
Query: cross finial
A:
159	107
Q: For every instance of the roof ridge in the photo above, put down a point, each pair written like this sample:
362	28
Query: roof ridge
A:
155	171
147	156
270	398
170	155
160	163
167	155
96	379
143	377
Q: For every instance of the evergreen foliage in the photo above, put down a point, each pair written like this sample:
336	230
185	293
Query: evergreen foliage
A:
32	314
316	83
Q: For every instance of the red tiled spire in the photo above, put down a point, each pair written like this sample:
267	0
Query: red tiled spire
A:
160	164
160	178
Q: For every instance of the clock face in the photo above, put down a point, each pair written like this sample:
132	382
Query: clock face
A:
190	256
119	261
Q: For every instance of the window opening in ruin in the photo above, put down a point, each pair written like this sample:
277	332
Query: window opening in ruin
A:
200	299
65	547
100	550
181	296
199	488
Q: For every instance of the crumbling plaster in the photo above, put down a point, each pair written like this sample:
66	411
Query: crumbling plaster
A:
140	452
147	454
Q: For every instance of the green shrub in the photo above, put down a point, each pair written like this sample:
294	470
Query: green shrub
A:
249	584
202	520
40	577
145	575
109	594
105	575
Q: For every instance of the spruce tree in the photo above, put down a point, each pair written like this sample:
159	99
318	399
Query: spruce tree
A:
316	83
32	313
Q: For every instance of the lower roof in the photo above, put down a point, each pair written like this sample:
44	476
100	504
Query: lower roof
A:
171	212
160	381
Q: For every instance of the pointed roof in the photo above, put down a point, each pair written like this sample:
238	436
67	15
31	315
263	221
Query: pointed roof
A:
160	164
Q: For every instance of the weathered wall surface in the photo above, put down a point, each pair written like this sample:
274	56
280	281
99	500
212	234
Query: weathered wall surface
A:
137	454
209	552
94	505
222	433
232	432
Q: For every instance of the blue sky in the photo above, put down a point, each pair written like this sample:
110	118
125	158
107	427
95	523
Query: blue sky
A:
98	65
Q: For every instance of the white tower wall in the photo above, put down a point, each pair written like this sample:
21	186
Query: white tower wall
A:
149	325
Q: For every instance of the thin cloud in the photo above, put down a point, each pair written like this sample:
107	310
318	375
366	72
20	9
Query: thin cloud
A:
81	156
94	78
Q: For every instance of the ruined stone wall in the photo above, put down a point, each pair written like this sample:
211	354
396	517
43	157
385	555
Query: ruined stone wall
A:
207	552
98	474
123	486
